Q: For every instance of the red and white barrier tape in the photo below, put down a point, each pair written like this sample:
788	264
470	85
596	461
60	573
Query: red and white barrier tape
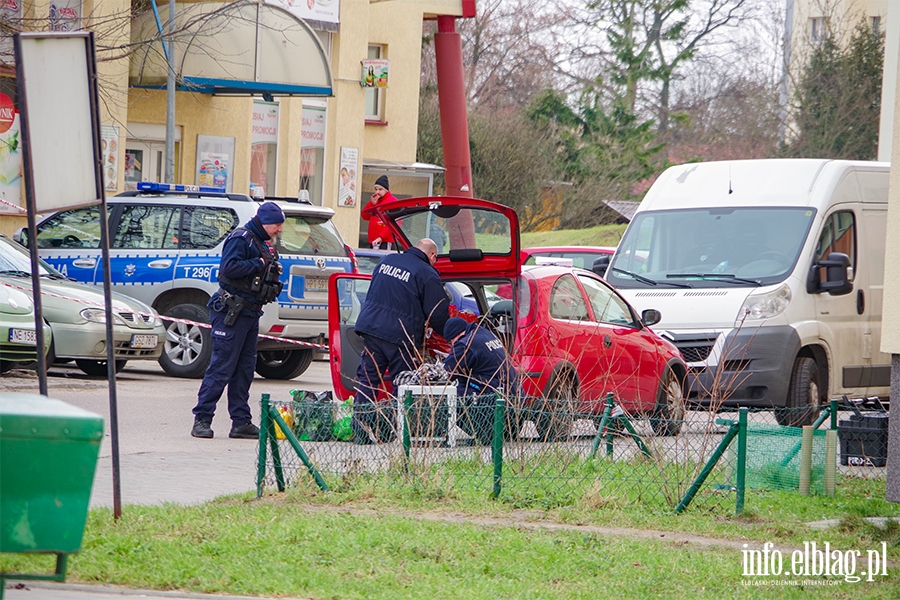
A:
15	206
163	317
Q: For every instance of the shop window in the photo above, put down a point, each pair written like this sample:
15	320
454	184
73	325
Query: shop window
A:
375	96
264	148
312	151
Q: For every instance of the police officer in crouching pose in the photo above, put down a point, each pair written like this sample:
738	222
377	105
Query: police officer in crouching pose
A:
482	368
405	293
248	280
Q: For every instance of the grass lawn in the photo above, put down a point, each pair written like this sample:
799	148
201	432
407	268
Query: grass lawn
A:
602	235
378	541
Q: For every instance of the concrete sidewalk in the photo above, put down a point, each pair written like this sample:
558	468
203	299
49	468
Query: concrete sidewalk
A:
34	590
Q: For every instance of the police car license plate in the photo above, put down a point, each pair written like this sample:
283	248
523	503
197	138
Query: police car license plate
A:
316	283
22	336
144	341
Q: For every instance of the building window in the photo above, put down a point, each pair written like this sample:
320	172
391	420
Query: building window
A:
375	96
875	24
816	30
312	150
264	148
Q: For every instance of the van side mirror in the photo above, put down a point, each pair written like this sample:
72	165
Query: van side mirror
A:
651	316
838	277
601	263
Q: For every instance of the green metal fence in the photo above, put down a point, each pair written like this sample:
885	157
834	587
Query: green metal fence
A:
485	447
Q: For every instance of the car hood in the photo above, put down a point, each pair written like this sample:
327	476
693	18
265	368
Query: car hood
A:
477	238
680	307
62	300
14	302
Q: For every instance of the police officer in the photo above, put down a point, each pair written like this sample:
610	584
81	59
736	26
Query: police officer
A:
480	363
405	293
478	358
248	279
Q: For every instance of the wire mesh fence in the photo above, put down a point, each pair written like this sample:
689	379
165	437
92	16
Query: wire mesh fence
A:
530	455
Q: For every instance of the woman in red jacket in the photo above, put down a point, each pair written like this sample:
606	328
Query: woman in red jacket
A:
379	234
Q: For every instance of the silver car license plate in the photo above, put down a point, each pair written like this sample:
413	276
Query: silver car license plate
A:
144	340
316	283
23	336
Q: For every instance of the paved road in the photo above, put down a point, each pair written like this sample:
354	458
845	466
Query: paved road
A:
159	461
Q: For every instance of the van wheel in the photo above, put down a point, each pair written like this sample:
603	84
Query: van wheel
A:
804	396
187	348
97	368
283	364
668	414
557	415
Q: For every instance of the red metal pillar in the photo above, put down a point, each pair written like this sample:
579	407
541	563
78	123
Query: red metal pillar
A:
452	98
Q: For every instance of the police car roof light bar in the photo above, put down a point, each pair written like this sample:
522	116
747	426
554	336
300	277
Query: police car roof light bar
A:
152	186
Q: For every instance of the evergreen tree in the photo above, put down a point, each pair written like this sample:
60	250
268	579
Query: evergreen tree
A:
838	99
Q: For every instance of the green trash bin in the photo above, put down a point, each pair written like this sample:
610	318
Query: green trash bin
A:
48	456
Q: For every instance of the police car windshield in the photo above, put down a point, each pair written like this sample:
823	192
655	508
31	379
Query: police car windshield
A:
310	235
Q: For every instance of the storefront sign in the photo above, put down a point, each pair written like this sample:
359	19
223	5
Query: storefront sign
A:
313	133
109	147
375	73
10	158
348	178
315	10
265	123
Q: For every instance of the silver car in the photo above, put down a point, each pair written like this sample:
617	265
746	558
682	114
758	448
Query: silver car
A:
77	318
18	341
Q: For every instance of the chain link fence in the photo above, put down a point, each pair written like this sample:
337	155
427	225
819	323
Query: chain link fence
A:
528	454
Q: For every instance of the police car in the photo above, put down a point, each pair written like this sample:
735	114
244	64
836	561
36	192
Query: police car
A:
166	243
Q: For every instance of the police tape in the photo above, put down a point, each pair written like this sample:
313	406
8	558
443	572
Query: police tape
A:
163	317
15	206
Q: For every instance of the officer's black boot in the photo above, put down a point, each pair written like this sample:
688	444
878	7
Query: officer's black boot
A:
247	431
202	429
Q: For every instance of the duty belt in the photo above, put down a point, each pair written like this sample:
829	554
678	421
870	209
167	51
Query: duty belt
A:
251	307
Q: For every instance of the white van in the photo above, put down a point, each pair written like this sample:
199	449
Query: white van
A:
769	276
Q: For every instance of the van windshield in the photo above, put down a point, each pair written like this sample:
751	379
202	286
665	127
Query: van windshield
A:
710	247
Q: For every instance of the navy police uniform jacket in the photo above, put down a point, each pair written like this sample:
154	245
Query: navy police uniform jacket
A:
480	364
405	292
240	258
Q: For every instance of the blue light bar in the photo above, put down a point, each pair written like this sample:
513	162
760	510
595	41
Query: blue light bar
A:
150	186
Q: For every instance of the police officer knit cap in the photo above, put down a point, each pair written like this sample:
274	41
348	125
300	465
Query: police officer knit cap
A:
454	327
383	182
270	213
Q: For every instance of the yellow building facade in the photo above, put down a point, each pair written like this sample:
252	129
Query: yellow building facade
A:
280	145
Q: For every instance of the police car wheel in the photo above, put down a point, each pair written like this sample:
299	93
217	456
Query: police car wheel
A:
187	348
282	364
97	368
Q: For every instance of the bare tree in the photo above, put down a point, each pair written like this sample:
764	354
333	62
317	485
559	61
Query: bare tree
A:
509	51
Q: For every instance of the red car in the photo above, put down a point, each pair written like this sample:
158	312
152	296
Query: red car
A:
572	338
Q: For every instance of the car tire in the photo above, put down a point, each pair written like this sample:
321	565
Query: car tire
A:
668	414
97	368
804	395
283	364
557	415
186	348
